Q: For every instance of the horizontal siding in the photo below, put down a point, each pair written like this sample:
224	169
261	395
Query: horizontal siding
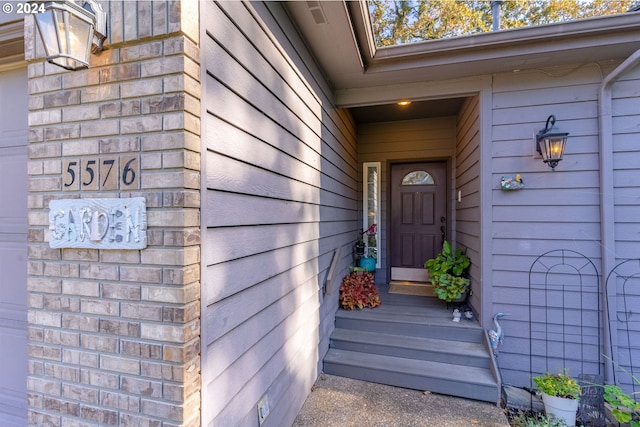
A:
556	209
626	158
467	182
279	197
410	140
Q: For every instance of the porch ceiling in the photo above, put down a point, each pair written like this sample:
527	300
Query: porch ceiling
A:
417	110
339	34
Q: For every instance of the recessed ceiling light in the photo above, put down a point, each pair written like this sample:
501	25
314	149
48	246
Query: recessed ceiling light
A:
404	102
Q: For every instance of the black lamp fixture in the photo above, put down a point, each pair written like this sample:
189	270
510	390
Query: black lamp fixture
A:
71	32
550	143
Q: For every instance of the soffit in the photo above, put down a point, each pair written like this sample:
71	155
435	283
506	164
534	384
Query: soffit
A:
343	47
11	43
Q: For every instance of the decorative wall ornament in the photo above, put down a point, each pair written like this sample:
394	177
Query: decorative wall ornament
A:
508	183
98	223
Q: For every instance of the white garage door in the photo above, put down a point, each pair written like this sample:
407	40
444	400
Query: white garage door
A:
13	247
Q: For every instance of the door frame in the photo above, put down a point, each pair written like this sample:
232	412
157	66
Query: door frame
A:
448	161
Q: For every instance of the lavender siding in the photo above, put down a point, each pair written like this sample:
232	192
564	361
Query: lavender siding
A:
556	210
279	196
467	182
626	152
626	181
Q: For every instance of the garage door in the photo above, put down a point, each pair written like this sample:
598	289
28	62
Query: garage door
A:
13	247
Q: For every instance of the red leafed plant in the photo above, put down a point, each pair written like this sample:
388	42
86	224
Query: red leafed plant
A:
358	290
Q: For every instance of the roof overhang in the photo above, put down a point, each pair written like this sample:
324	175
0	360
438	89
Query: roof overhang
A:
343	45
11	43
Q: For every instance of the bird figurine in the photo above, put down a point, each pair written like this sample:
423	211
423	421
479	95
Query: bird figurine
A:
496	335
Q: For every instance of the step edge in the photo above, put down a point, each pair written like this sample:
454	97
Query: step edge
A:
468	378
477	349
409	319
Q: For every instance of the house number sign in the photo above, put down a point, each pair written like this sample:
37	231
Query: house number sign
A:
98	223
101	173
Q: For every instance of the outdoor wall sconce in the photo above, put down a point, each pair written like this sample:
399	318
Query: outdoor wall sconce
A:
550	143
70	33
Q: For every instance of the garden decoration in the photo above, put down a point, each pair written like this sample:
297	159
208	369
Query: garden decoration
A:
496	335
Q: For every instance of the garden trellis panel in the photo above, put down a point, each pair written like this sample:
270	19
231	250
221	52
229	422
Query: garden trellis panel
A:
565	313
623	286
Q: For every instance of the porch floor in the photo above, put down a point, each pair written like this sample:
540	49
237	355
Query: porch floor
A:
424	305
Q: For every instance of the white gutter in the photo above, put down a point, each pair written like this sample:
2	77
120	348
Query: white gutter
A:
607	220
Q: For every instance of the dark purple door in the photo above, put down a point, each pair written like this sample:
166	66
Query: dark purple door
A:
418	214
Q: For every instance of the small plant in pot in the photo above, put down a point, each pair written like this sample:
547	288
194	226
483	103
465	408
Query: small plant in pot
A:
447	272
560	395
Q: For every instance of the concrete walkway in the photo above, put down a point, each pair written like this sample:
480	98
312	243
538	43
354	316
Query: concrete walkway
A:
343	402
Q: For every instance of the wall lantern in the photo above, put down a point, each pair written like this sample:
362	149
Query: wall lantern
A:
550	143
70	32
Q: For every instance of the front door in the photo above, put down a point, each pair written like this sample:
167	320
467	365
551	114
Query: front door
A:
418	217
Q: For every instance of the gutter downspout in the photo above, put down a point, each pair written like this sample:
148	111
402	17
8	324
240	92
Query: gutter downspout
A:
607	219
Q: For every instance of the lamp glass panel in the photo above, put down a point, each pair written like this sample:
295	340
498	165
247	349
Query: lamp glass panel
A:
46	25
79	37
555	148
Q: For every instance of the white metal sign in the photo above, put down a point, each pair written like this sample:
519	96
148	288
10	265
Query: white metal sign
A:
98	223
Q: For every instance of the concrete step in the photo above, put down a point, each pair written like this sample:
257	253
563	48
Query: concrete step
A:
444	378
436	350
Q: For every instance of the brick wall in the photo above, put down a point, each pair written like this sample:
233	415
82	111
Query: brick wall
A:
114	335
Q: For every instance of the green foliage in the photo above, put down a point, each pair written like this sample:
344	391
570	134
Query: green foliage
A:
358	290
446	272
537	420
408	21
450	288
625	408
559	385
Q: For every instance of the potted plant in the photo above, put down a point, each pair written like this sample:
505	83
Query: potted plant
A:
560	395
447	273
369	258
358	290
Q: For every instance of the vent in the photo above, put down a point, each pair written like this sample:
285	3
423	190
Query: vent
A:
316	11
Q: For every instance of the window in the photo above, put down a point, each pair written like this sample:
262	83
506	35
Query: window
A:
418	178
371	208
